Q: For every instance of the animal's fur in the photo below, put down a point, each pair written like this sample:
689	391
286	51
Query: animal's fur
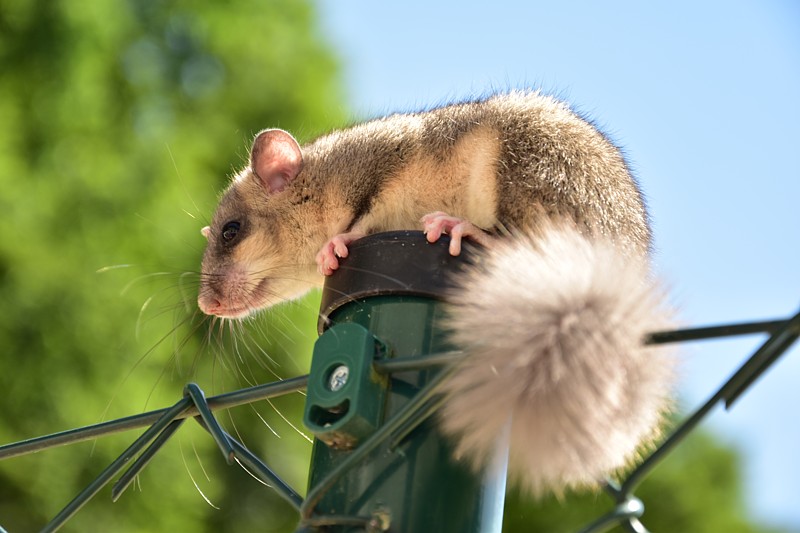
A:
553	329
552	321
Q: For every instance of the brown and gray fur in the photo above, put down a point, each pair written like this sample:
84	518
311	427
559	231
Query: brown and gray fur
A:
511	161
521	162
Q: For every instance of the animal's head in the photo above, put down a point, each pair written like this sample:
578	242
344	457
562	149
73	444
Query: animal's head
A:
252	257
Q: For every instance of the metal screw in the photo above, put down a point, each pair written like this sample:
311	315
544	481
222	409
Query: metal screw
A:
338	377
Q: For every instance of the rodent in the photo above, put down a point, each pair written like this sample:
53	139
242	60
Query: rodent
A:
565	282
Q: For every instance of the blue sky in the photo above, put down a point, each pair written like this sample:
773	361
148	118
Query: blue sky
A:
704	98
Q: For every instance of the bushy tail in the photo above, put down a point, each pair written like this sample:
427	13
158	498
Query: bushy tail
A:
553	329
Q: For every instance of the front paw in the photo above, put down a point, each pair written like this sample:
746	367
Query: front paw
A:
333	250
438	223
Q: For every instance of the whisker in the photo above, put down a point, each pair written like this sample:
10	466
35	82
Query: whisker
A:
199	461
141	278
194	482
263	352
134	367
181	288
267	424
109	268
138	327
251	474
183	185
297	430
235	428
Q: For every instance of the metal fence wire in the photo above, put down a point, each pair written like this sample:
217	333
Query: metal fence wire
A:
374	381
627	510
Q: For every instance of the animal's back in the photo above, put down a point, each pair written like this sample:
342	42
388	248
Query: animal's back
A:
515	161
565	169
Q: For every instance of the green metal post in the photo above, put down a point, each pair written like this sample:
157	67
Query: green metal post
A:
386	301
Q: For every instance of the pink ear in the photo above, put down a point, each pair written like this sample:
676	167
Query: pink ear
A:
276	159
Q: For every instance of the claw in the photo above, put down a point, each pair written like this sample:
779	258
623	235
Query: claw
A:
438	223
336	248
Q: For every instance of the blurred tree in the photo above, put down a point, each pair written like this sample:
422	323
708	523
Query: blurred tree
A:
119	123
697	489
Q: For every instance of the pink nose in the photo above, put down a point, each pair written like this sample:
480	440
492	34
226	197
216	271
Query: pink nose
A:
209	305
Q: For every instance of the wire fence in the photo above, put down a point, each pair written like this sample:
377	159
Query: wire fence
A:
627	510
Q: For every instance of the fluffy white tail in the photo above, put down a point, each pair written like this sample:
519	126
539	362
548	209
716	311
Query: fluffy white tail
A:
553	328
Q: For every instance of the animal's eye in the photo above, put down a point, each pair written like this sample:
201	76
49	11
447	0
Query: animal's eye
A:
230	230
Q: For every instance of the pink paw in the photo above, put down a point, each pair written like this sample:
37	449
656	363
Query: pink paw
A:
435	224
333	250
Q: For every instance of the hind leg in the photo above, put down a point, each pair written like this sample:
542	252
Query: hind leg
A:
435	224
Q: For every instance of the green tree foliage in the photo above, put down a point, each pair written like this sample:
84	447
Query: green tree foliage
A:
697	489
119	123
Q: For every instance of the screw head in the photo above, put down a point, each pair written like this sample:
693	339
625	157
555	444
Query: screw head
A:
338	378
